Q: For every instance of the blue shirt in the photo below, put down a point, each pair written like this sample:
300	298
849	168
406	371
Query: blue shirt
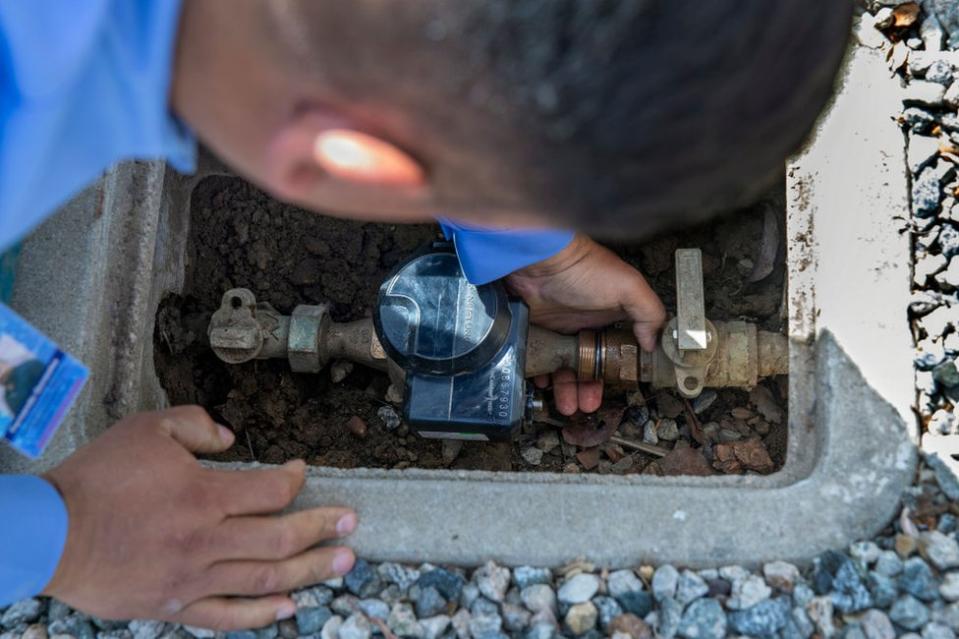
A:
84	84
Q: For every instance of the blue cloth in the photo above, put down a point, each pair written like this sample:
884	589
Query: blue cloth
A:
33	535
489	254
84	84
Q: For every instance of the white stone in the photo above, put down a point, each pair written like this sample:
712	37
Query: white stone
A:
781	574
949	588
578	589
941	550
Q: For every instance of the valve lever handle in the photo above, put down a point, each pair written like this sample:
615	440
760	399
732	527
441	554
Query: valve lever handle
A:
690	301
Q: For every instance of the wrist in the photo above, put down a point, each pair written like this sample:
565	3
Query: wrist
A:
574	252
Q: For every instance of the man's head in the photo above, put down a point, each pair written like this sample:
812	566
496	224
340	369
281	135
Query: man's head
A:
613	116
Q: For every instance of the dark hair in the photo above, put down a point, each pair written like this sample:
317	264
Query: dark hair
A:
618	115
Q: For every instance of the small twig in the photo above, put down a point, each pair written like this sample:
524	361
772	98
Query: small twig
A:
695	426
643	447
249	444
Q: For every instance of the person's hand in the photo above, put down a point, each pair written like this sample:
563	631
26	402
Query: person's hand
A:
153	535
586	286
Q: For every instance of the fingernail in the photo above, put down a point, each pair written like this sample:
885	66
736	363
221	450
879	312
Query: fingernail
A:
346	524
226	435
342	562
285	611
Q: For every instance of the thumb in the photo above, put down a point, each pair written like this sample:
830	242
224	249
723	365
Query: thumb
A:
194	429
646	311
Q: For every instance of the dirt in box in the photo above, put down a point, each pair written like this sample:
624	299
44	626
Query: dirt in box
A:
287	256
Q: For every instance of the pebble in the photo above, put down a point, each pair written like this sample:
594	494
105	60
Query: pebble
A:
515	617
345	605
669	616
449	584
941	550
608	609
949	588
883	589
376	608
865	552
924	92
690	587
668	430
428	604
630	625
390	418
21	612
578	589
434	627
310	620
538	597
909	613
917	579
356	627
748	592
875	624
492	580
39	631
764	619
665	581
402	621
650	435
145	629
820	611
703	619
704	401
922	151
460	622
532	455
362	580
782	574
623	581
485	625
933	630
331	629
393	573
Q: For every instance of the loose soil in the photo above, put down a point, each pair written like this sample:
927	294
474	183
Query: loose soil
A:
287	256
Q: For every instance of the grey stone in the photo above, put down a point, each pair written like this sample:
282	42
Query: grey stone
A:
390	418
356	627
375	608
429	603
434	627
883	589
948	240
608	609
941	550
461	623
483	606
345	605
748	592
946	374
670	615
578	589
924	92
539	597
485	625
781	574
650	436
532	455
909	613
668	430
703	619
515	617
623	581
145	628
940	72
764	619
851	593
468	594
802	594
917	579
664	583
820	611
947	480
933	630
875	624
864	552
310	620
449	583
922	151
704	401
393	573
690	587
524	576
38	631
802	623
926	192
331	629
362	580
403	622
74	624
23	611
949	588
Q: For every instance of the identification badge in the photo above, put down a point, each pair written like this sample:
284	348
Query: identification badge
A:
38	383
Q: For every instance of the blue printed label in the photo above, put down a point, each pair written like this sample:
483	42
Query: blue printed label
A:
38	383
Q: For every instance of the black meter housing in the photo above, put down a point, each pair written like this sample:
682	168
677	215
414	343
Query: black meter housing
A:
462	347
